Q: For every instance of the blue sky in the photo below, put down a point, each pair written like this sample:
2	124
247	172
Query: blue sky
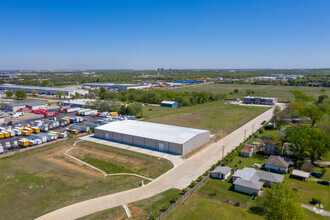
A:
146	34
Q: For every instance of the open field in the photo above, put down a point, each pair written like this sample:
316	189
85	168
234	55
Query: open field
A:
201	207
223	191
44	179
139	209
282	92
115	160
218	117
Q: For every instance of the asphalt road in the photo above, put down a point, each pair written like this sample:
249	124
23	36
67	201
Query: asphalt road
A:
178	177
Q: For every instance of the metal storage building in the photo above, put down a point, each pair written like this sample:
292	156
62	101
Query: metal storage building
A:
159	137
18	105
169	104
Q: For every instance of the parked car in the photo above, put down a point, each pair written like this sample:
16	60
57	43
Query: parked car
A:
323	182
263	122
10	123
316	174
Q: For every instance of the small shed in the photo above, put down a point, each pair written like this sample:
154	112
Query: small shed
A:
221	172
300	175
169	104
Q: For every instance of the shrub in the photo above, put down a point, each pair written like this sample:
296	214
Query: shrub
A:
213	167
257	210
207	172
316	201
192	184
237	203
200	178
184	191
323	170
290	169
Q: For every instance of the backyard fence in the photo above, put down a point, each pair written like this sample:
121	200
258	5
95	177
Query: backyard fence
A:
193	189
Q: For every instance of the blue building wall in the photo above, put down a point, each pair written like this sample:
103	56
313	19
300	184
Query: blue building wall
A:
175	104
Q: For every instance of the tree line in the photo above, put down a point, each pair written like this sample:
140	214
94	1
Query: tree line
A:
158	95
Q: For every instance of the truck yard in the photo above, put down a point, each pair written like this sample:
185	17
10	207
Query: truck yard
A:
25	128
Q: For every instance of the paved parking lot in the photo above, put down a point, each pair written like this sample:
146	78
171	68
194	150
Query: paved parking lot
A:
29	117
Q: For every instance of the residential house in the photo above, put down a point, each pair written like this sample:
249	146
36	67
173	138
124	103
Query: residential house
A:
221	172
300	175
247	151
277	164
251	181
271	147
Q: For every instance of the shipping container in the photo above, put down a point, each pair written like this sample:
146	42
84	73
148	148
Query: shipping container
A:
17	132
1	149
80	128
38	136
7	145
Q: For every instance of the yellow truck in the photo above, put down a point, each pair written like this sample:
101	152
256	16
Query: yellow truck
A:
23	142
74	132
35	130
27	131
7	134
113	114
2	135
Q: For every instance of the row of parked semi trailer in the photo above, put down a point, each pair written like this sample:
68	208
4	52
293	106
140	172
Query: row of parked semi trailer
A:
39	131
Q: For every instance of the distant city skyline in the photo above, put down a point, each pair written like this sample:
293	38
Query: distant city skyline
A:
151	34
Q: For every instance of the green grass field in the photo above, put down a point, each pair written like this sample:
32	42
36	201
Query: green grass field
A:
202	207
282	92
38	181
218	117
223	191
116	160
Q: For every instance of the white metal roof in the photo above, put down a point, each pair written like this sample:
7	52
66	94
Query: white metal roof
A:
168	102
162	132
300	173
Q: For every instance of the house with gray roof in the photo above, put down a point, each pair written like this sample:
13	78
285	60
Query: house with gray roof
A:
250	181
221	172
277	164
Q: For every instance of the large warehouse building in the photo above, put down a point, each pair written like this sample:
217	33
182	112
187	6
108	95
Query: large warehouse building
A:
43	90
160	137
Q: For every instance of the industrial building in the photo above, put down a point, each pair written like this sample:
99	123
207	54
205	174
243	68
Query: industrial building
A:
259	100
17	106
118	87
78	102
43	90
160	137
169	104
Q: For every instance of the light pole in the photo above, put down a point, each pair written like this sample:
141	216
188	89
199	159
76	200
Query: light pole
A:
150	200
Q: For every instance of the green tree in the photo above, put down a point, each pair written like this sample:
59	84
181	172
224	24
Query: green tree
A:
321	98
276	111
314	113
281	203
308	142
20	94
300	96
134	109
34	93
296	136
60	94
319	143
9	93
